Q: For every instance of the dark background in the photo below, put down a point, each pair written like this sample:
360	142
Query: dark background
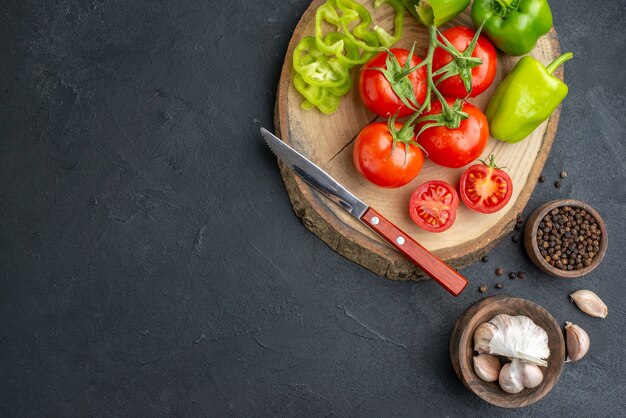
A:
150	261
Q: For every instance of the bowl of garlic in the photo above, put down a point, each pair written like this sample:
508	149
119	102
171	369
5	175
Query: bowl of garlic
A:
509	351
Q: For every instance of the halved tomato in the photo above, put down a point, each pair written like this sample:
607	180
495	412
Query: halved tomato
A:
433	206
485	188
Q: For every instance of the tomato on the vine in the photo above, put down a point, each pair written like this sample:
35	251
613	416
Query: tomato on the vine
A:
482	75
454	147
433	206
386	155
379	94
485	188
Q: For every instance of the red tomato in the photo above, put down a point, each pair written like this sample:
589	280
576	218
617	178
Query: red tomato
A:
485	188
375	159
482	75
376	91
433	206
455	147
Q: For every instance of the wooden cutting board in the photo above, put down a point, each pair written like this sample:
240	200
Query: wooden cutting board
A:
327	140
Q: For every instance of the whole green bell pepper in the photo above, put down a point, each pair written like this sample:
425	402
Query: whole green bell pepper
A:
526	97
514	26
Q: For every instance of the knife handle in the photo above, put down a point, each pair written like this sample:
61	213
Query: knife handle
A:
442	273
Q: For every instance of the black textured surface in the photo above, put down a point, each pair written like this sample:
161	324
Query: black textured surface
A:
150	262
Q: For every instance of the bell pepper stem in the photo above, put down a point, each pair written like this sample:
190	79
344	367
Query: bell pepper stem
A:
560	60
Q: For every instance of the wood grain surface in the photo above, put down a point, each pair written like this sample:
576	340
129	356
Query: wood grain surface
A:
327	140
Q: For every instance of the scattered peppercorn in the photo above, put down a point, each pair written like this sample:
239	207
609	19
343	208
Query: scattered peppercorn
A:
520	218
557	184
512	275
518	226
568	238
514	238
485	259
521	274
499	285
563	174
482	288
542	179
499	271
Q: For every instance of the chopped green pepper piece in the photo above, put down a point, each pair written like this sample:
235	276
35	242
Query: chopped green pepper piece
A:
315	67
322	63
435	12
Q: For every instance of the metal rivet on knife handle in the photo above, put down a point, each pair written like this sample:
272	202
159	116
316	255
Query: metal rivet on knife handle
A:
442	273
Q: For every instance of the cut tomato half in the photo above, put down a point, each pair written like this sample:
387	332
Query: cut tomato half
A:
433	206
485	188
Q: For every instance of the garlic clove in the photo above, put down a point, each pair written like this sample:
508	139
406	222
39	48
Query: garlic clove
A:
509	379
482	337
531	375
577	341
590	303
487	367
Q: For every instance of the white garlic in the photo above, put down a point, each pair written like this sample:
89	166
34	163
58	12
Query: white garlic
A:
518	337
531	375
487	367
577	341
510	379
482	337
590	303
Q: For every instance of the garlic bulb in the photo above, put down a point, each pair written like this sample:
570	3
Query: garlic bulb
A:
531	375
590	303
510	379
577	341
482	337
519	337
487	367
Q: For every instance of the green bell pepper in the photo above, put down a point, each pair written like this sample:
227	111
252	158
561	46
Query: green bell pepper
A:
525	98
514	26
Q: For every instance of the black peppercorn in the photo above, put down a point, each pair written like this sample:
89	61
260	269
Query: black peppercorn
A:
485	259
569	239
512	275
499	271
514	238
557	184
521	275
542	179
499	285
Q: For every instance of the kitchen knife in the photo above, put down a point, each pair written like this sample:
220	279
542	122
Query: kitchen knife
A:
443	274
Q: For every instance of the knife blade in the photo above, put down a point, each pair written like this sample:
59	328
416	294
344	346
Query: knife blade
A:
442	273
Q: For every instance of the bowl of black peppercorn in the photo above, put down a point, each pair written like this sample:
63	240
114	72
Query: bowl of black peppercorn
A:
566	238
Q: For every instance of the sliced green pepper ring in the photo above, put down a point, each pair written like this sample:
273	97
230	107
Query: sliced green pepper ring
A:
386	39
343	48
315	67
352	12
326	99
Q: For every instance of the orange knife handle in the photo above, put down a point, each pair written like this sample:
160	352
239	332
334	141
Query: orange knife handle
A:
442	273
